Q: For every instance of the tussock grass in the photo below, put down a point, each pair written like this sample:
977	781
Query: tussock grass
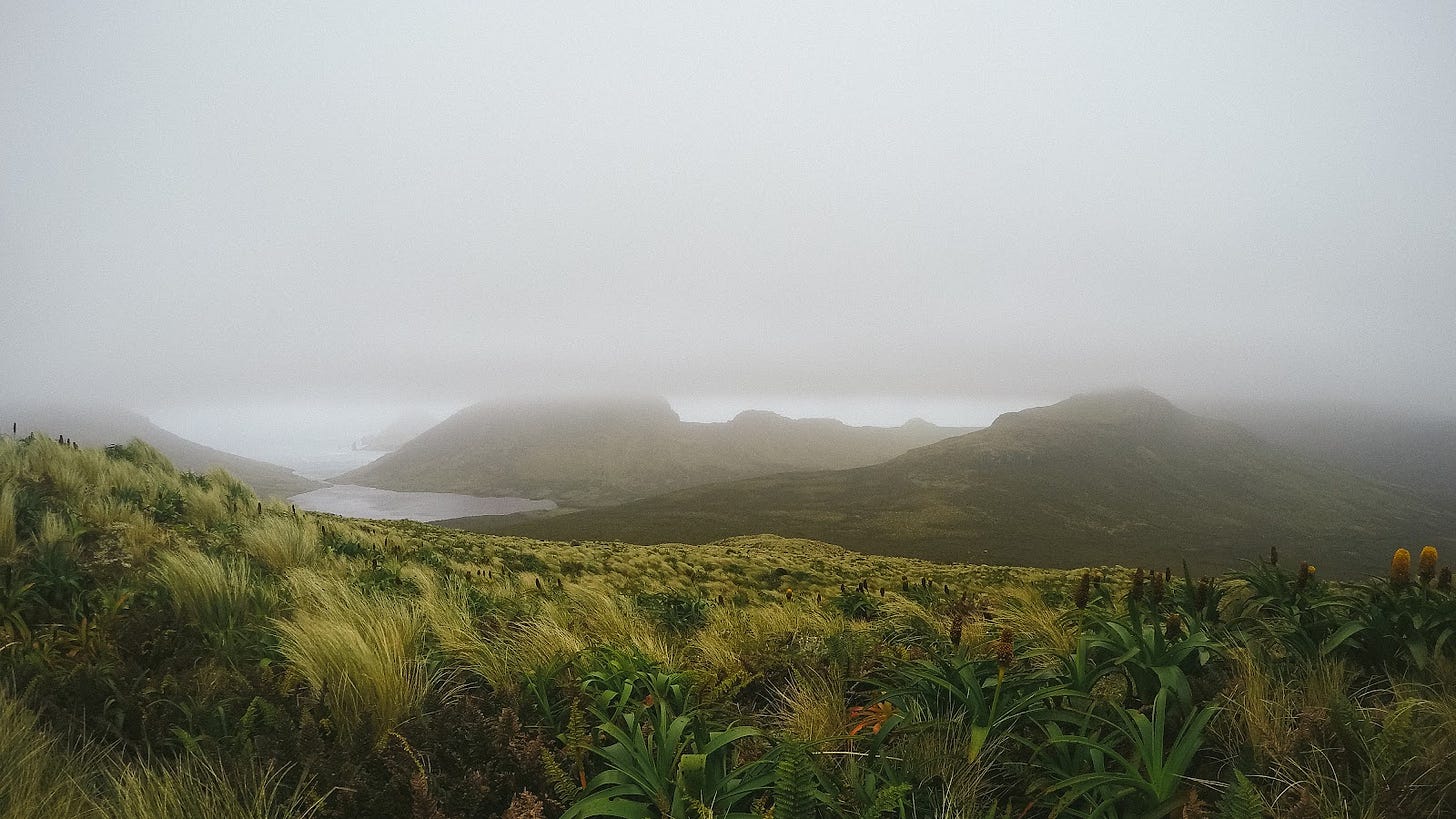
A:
970	785
813	709
54	531
144	456
1026	612
216	594
204	508
758	638
9	535
360	653
1259	711
111	513
198	788
142	539
600	617
905	621
39	776
375	623
283	542
524	649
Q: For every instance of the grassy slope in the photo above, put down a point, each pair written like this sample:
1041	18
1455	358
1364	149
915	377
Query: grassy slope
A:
102	426
596	454
219	657
1124	478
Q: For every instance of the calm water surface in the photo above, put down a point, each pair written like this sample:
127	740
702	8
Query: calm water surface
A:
383	504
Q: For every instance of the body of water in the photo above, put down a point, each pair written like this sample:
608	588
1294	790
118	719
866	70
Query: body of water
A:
322	466
383	504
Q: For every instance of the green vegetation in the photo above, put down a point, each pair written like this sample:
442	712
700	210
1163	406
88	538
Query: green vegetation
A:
171	647
1125	477
586	454
98	426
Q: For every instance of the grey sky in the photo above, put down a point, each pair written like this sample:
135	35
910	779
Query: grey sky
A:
432	203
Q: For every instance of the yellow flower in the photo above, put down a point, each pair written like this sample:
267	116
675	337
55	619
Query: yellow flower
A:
1400	568
1428	564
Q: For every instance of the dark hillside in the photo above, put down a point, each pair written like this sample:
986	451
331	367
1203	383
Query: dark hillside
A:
597	453
1118	477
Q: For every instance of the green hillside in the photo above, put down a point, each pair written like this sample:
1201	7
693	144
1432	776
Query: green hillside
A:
1118	477
99	426
171	648
597	453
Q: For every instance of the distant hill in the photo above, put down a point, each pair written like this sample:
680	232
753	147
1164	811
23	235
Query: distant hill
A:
99	426
1120	477
398	433
596	453
1417	450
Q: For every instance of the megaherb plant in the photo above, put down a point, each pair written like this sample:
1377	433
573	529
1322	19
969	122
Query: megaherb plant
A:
170	639
661	764
1122	765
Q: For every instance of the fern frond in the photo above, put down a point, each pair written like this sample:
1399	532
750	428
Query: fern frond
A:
1241	800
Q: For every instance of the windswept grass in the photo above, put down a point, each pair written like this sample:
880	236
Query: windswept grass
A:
812	711
599	617
216	594
9	536
211	657
360	653
758	639
38	774
42	777
198	788
204	507
1028	615
282	543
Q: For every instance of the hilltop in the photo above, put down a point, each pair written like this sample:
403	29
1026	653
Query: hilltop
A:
1123	477
603	452
100	426
398	432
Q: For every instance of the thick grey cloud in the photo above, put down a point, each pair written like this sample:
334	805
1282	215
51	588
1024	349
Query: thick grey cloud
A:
437	201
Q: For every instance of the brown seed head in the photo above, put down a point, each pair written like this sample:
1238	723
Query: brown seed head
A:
1173	627
1005	649
1200	594
1084	591
1158	587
